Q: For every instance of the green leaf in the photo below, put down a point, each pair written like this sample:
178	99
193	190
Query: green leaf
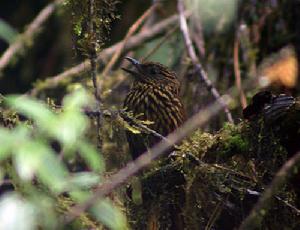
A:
71	123
7	32
91	157
16	213
76	100
6	143
33	109
69	127
36	158
109	215
11	139
80	196
53	173
46	208
27	159
84	180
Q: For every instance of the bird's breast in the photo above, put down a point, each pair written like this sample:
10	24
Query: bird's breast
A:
157	104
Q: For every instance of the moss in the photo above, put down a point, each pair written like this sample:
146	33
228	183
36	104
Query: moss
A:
214	191
8	118
64	204
197	144
103	16
233	141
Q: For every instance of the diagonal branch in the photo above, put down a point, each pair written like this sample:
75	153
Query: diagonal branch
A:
114	115
116	180
160	43
130	32
256	215
30	32
134	42
191	52
145	159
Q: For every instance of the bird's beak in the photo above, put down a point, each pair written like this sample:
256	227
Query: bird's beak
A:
135	63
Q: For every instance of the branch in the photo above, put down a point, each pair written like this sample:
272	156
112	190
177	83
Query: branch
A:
191	52
116	180
134	42
145	159
197	35
28	35
93	63
255	217
130	32
160	43
237	72
115	114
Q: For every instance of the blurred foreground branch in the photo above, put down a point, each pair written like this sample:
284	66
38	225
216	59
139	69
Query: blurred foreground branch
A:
133	167
255	217
198	120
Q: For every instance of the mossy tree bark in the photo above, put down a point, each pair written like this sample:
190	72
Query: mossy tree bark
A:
215	180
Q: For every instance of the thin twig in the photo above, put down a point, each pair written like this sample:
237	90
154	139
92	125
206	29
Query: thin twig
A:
237	72
142	127
93	62
162	41
120	113
296	210
255	217
216	213
31	31
197	35
150	20
196	63
113	114
145	159
196	121
134	42
130	32
240	174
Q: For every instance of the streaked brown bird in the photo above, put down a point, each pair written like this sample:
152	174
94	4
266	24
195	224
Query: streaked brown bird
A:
154	96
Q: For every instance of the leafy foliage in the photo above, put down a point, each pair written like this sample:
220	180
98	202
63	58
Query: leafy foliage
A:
39	174
7	33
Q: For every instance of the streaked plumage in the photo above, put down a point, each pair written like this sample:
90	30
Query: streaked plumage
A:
155	95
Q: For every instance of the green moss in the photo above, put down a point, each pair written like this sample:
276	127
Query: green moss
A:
197	144
228	164
103	16
234	144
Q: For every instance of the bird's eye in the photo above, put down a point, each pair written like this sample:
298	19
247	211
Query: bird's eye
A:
153	71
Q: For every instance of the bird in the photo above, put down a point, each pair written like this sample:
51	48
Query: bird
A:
281	114
154	96
272	107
